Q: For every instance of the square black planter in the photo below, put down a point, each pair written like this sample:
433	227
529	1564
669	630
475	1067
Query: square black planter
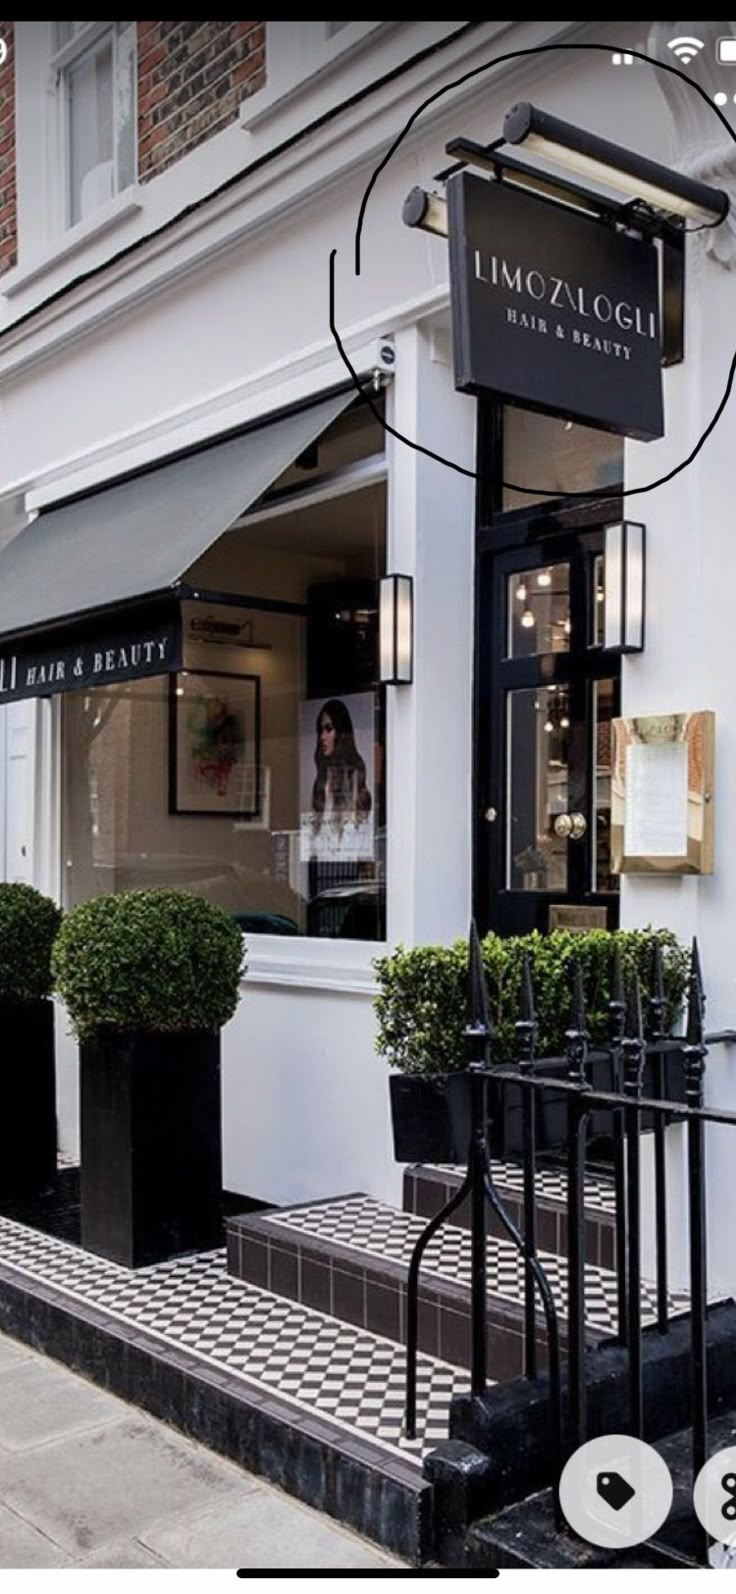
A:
151	1145
420	1116
431	1118
28	1117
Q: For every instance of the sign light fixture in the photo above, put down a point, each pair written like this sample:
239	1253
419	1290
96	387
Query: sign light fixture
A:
611	166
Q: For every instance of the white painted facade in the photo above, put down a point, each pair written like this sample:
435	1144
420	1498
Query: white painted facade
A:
219	316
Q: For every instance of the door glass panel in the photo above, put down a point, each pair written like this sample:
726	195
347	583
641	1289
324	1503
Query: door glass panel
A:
599	603
538	757
538	605
603	711
556	456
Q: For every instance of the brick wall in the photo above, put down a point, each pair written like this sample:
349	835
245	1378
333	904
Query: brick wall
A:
8	210
192	77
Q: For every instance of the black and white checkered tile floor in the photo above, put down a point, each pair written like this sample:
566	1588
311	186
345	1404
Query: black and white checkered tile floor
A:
370	1228
346	1375
550	1185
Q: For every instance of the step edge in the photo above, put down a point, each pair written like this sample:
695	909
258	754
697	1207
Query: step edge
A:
433	1175
260	1225
440	1292
36	1328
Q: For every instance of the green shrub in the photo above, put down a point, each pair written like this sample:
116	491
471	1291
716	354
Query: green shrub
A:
421	1003
148	960
28	925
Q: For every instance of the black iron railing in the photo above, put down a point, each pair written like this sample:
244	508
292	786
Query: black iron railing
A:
632	1044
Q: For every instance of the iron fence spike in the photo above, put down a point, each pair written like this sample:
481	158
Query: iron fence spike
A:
695	968
634	1025
478	1010
617	979
694	1030
527	992
658	973
576	1037
578	1005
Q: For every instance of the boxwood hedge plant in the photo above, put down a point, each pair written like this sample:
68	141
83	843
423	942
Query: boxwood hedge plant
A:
421	1004
157	961
28	926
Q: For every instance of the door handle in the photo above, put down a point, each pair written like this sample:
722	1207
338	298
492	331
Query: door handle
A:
570	827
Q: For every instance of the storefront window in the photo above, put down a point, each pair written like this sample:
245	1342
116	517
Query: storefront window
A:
256	775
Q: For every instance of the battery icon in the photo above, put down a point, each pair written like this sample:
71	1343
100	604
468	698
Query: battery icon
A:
726	51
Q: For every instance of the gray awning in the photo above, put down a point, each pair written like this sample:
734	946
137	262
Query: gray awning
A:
141	536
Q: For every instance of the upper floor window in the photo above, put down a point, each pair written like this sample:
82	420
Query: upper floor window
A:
95	68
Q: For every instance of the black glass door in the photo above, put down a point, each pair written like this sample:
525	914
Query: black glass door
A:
546	697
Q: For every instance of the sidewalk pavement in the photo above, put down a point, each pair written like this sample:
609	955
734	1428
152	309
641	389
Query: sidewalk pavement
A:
88	1481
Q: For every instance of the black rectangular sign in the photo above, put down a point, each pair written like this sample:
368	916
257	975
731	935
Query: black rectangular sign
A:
553	310
66	661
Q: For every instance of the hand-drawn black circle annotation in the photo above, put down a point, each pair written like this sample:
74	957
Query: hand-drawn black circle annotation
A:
462	470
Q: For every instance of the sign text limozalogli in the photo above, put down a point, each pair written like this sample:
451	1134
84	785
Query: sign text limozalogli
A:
553	309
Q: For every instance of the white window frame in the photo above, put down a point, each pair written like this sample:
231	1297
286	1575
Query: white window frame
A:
298	54
61	60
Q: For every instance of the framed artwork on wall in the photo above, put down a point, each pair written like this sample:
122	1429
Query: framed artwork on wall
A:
214	744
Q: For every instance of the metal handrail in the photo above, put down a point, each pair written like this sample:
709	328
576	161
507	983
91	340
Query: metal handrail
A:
628	1050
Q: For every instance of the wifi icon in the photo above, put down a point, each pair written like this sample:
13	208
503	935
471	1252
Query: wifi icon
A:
685	48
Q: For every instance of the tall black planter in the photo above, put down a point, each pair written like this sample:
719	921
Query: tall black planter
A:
151	1143
28	1115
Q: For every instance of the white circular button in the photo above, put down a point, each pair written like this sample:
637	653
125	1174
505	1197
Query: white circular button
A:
616	1491
714	1496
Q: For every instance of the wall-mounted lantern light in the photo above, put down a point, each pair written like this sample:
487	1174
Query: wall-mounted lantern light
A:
396	630
624	586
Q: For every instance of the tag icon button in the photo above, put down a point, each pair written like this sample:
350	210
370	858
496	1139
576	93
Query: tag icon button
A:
614	1490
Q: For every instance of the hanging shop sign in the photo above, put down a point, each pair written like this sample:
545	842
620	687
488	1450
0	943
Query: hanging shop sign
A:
66	661
553	310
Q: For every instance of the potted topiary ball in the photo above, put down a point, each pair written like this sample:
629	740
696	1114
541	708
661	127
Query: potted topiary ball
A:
28	925
149	978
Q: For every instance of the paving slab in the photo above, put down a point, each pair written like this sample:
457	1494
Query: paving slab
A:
12	1352
21	1545
38	1403
88	1481
96	1488
128	1555
262	1531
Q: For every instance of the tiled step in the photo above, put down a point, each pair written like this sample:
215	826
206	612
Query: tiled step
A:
524	1538
427	1188
350	1257
313	1404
